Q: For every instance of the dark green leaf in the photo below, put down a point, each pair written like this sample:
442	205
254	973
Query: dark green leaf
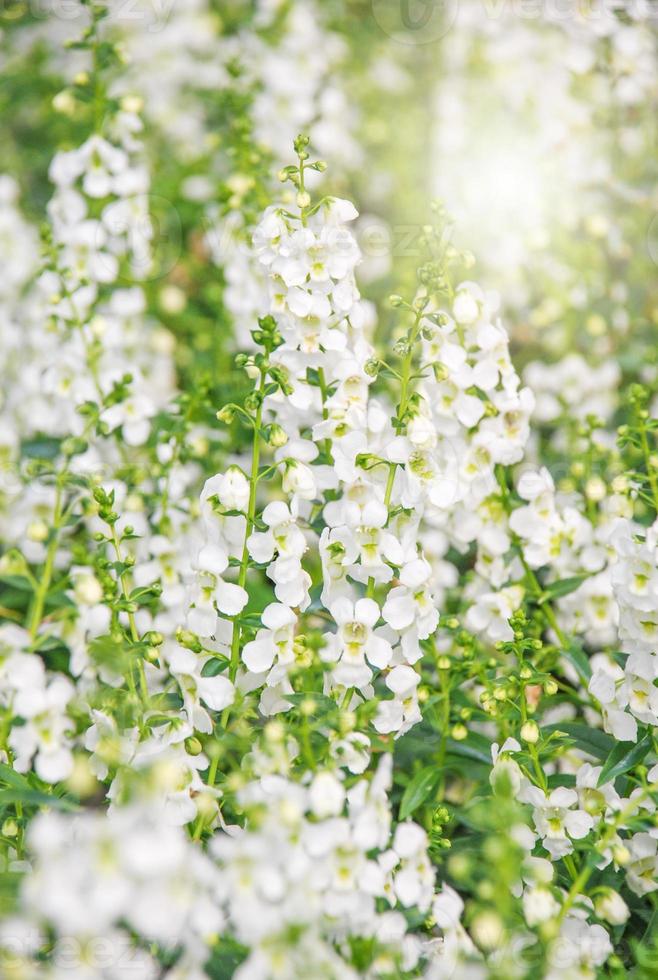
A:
417	791
34	797
579	661
474	747
590	740
623	757
564	587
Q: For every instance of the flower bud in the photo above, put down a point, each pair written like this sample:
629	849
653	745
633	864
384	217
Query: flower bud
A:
487	930
465	307
539	905
276	436
9	828
530	732
88	590
233	490
64	102
621	854
226	415
610	906
299	479
193	745
37	531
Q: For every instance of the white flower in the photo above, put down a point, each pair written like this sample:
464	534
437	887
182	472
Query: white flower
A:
45	732
554	819
610	906
216	692
326	795
352	751
642	866
539	905
356	641
274	642
411	609
414	878
506	772
298	480
607	686
285	539
133	414
232	489
230	598
492	611
465	306
578	950
402	711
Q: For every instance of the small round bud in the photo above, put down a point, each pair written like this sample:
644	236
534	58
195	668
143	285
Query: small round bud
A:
274	731
9	828
621	854
153	638
193	745
530	732
611	907
488	931
277	436
64	102
226	415
308	707
37	531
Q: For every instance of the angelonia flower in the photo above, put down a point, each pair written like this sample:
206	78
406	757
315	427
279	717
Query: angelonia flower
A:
327	623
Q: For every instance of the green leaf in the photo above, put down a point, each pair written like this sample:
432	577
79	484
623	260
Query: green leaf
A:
565	586
475	747
18	582
577	657
590	740
557	779
20	790
623	757
34	797
13	778
41	447
418	789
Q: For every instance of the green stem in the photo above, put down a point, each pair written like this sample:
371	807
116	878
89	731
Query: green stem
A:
326	443
212	776
345	703
251	513
402	408
125	592
653	482
36	614
445	721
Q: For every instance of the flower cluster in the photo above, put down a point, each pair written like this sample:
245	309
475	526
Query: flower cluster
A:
328	579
